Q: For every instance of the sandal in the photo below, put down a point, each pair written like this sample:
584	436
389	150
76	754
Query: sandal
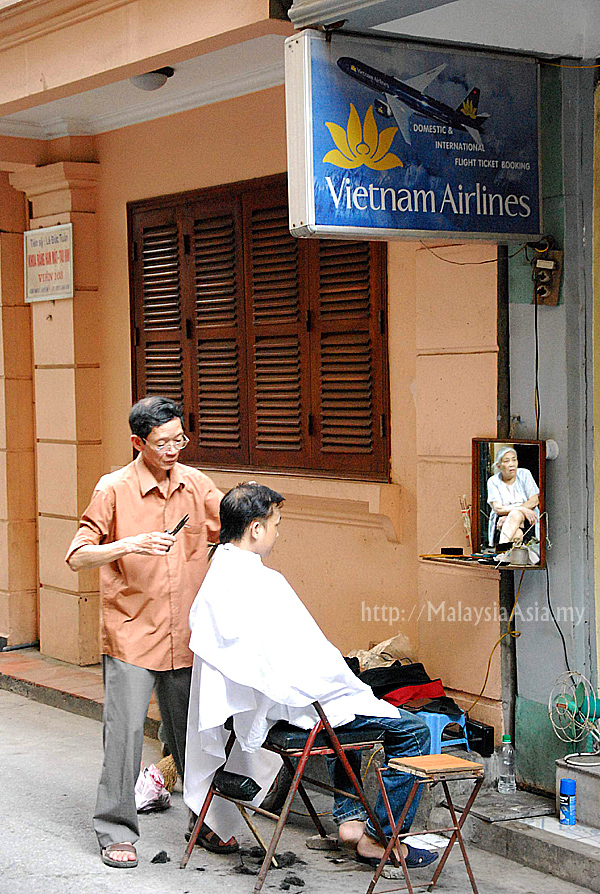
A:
417	856
211	841
125	847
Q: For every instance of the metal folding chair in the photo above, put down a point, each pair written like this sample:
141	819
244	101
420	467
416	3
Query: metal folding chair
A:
291	743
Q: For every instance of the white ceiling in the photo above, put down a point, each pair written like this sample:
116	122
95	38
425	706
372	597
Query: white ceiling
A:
550	28
234	71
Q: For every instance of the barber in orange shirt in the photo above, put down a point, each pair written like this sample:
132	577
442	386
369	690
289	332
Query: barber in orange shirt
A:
148	581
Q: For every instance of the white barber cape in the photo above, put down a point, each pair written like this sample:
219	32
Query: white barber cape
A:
259	657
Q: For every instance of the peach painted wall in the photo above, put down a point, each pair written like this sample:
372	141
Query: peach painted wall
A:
47	53
456	348
235	140
342	563
353	567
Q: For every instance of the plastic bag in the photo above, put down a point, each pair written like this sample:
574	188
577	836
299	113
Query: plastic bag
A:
150	791
398	648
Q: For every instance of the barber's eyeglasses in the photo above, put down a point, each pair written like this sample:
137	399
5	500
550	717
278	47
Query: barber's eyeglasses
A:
162	446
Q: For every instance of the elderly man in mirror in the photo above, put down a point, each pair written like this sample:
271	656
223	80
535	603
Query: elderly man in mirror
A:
513	497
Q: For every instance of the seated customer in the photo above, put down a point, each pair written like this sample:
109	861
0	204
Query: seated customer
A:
259	657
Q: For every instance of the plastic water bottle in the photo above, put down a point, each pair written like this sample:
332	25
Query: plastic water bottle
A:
506	776
567	801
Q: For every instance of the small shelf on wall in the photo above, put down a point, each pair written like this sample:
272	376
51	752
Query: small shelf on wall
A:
468	562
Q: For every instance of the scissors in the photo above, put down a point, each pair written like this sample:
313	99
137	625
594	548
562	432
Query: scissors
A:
178	528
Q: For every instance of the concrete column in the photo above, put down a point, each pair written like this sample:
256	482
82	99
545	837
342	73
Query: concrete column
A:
18	550
67	400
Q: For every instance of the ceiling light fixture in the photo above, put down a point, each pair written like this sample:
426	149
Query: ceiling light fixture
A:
152	80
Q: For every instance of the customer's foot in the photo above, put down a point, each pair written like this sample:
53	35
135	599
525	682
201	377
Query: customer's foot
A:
209	840
370	852
370	849
351	832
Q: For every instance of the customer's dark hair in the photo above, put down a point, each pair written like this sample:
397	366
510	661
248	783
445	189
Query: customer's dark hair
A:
149	412
242	505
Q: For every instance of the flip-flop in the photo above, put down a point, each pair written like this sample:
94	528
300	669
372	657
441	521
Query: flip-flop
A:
416	857
119	864
419	856
211	841
370	861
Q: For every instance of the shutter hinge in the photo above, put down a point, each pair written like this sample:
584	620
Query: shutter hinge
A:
382	322
135	251
311	426
191	422
136	336
382	426
188	328
187	244
308	321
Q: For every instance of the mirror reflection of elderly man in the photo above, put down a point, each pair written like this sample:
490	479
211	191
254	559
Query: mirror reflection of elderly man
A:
260	657
513	497
148	581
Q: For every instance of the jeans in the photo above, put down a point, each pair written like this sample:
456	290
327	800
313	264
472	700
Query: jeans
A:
406	736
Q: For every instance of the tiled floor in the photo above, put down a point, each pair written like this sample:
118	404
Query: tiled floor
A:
585	834
58	676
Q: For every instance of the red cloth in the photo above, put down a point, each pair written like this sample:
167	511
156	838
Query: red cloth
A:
399	697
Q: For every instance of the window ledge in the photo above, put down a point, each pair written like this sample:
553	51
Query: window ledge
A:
364	504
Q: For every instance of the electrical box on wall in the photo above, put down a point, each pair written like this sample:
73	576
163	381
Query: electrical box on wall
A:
547	270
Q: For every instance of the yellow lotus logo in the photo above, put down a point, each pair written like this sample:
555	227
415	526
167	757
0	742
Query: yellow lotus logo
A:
361	144
469	109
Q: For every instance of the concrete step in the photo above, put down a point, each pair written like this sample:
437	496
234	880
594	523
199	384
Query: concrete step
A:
573	860
524	828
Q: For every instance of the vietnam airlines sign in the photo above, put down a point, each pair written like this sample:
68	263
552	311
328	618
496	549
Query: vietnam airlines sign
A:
388	140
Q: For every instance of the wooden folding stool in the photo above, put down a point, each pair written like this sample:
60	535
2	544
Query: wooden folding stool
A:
430	769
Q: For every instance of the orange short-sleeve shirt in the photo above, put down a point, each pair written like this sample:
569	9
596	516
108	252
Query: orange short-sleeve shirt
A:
146	600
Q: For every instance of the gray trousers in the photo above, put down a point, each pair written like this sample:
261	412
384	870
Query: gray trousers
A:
127	696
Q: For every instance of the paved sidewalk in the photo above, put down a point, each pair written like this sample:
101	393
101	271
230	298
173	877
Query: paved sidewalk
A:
66	686
50	763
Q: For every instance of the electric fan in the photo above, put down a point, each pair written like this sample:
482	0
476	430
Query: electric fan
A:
574	711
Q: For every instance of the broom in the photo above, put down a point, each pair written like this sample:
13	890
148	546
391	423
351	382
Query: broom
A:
168	771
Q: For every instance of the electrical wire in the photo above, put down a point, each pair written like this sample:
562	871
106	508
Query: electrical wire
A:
362	779
470	263
536	388
537	411
377	750
513	633
560	65
564	644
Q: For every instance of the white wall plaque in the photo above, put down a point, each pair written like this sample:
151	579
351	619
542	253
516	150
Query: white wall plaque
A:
49	263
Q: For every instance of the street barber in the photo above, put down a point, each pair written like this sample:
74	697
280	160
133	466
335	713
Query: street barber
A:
148	580
260	657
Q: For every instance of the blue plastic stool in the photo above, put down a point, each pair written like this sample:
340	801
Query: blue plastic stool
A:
437	724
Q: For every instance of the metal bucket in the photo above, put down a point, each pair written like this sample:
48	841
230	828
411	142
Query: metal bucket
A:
519	555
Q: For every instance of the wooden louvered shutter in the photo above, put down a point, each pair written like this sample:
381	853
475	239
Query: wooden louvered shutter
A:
276	322
159	361
275	346
217	319
349	360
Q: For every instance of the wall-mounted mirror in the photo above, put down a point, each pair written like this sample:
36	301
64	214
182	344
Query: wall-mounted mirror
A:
509	499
